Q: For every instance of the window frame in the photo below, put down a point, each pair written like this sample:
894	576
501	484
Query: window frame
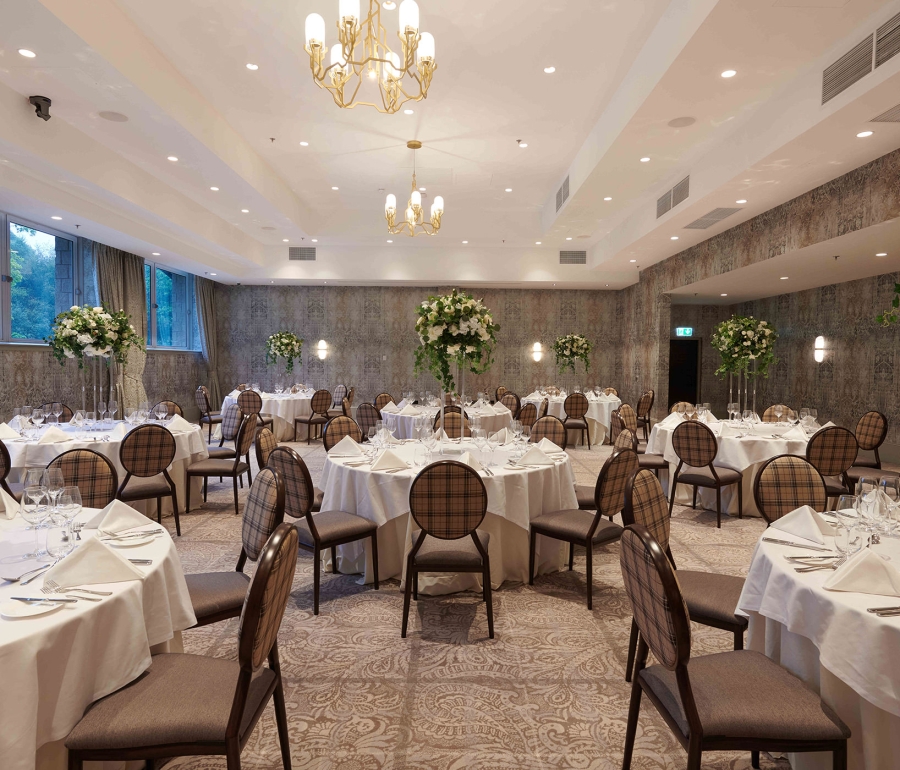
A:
193	344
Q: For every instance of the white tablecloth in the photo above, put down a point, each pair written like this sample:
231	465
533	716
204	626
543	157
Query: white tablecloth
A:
829	640
189	448
598	415
53	666
745	455
283	408
515	497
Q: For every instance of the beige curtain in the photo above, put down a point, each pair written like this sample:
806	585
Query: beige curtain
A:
205	295
120	276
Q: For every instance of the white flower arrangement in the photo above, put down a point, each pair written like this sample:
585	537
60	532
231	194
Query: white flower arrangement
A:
92	331
741	341
570	349
284	345
454	327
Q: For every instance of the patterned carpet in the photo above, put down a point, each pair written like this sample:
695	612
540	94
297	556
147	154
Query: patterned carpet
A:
547	692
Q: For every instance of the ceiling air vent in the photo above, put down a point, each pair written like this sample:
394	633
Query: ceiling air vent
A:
664	204
673	197
712	218
889	116
562	194
302	253
851	67
887	40
573	257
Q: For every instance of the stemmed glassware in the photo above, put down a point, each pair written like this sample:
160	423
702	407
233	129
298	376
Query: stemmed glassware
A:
848	534
112	410
779	411
37	417
35	514
890	501
101	413
57	410
54	483
867	502
70	504
161	411
90	420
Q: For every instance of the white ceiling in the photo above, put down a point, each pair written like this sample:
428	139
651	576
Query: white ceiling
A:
623	70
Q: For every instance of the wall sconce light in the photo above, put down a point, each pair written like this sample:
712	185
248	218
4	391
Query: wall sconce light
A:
322	349
819	350
537	353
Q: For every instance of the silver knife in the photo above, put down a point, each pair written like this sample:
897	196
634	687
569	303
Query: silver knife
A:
42	599
141	561
797	545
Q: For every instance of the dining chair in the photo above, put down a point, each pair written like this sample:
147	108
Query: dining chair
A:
265	443
550	428
784	483
645	404
545	406
696	446
225	467
146	453
577	527
366	417
448	502
871	431
629	420
528	415
66	415
250	402
454	424
585	492
187	705
575	406
728	701
232	418
350	395
499	393
610	392
13	490
242	387
91	472
512	402
326	529
685	404
552	390
338	427
832	452
337	403
711	598
172	408
218	596
786	413
207	415
317	417
382	400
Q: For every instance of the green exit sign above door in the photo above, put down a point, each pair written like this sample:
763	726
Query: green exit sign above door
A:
684	331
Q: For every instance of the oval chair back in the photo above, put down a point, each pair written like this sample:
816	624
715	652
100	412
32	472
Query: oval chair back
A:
831	451
249	402
67	414
346	408
366	417
340	393
646	504
338	427
871	431
545	405
611	392
629	418
575	406
786	482
454	425
625	440
201	396
263	512
265	443
786	413
172	408
528	415
232	418
448	500
320	402
499	393
299	492
550	428
382	400
5	468
645	404
695	444
146	451
511	401
92	473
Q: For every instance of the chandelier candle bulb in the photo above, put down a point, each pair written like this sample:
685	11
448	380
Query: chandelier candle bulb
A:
409	17
410	216
415	199
315	32
348	10
390	205
337	58
425	51
438	204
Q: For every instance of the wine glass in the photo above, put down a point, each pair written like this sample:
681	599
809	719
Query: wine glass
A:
57	410
70	504
867	490
526	434
35	514
90	420
890	501
779	411
679	408
814	414
161	411
37	417
848	532
54	483
420	456
113	409
517	428
101	412
747	416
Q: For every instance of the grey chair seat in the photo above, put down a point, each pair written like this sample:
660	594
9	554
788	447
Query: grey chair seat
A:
336	411
574	525
333	526
214	467
702	477
863	462
712	596
215	592
181	699
318	496
313	419
212	417
575	423
139	488
652	462
743	694
641	447
451	553
585	495
221	452
859	471
834	488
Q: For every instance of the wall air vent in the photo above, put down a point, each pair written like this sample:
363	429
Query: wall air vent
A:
302	253
664	204
851	67
712	218
887	40
573	257
562	194
673	197
888	116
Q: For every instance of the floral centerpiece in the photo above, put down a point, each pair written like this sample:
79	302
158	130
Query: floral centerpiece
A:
454	327
87	331
742	342
571	349
286	345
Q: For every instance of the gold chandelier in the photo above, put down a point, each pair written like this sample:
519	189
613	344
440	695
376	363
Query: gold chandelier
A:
414	224
363	54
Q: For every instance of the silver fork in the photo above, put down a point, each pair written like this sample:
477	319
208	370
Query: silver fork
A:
52	587
833	565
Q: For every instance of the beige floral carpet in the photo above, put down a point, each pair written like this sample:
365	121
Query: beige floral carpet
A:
547	692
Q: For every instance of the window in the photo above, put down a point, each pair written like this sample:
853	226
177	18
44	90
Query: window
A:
171	315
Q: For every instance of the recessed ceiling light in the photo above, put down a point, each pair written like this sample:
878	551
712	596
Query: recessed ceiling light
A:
285	240
537	243
683	122
549	70
674	238
271	281
421	189
389	5
214	189
723	295
172	158
213	273
729	73
26	53
509	189
335	188
253	67
155	254
863	134
115	117
784	278
632	260
58	219
465	241
569	238
742	200
390	241
523	145
607	198
315	240
881	254
304	144
408	112
645	160
245	211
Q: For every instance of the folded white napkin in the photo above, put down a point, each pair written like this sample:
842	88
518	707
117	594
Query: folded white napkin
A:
440	435
500	409
709	418
8	505
53	436
796	434
866	573
672	420
16	423
346	447
390	407
503	436
535	456
727	430
119	432
388	461
806	523
92	562
234	394
469	459
7	432
409	411
403	403
179	425
548	446
117	517
535	396
828	424
603	397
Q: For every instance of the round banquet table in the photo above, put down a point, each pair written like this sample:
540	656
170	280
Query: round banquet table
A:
599	414
189	448
54	666
283	408
744	455
515	497
492	419
830	641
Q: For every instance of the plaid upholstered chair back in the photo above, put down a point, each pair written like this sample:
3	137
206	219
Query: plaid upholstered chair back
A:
92	473
552	390
5	462
382	400
346	409
366	417
232	418
832	450
266	600
66	415
785	483
350	395
250	402
338	427
448	500
686	404
511	401
694	444
528	415
616	426
201	396
625	440
549	427
576	406
340	393
786	413
871	430
242	387
629	417
500	393
245	436
452	408
320	402
172	408
645	504
263	511
265	443
609	494
298	487
645	404
545	406
454	425
147	450
610	392
656	601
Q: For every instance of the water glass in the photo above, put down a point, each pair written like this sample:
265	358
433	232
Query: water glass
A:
37	417
420	456
70	503
34	513
889	486
59	542
848	535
